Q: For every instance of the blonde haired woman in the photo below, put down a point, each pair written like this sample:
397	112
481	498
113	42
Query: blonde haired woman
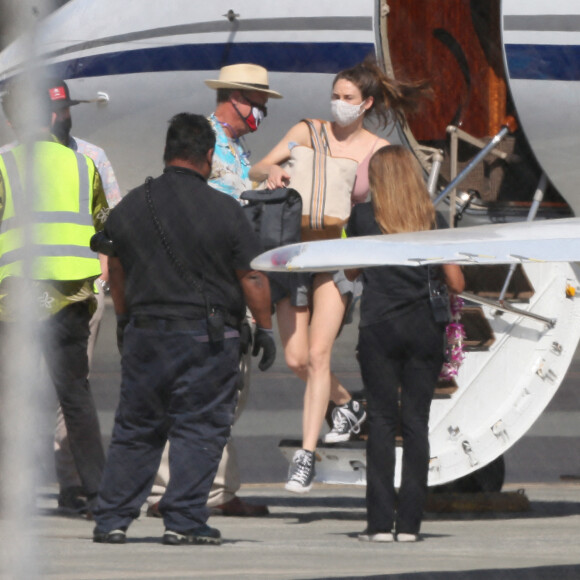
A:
310	310
401	346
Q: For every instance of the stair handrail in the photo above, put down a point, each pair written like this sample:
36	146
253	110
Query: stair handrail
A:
505	307
509	126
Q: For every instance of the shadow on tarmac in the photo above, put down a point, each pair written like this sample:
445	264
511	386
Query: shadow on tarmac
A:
336	509
541	573
340	508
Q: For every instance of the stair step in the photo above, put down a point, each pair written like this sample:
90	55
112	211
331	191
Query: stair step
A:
478	333
487	281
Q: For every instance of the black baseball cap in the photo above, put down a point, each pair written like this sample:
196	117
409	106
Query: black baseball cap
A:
58	94
54	93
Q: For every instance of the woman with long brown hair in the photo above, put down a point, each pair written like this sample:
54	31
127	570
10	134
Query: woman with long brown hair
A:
310	310
401	345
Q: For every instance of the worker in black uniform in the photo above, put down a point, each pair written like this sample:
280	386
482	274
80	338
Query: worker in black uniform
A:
180	279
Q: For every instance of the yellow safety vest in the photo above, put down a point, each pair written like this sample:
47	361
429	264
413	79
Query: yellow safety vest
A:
55	228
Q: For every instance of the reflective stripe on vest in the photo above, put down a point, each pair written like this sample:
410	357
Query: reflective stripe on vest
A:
59	226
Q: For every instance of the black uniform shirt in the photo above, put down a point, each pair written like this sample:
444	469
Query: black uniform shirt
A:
387	290
206	229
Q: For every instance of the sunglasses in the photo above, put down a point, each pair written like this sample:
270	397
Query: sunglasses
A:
262	108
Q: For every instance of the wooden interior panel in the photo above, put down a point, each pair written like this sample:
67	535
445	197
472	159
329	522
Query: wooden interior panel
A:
426	41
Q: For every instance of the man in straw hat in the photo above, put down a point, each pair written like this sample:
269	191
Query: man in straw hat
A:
242	93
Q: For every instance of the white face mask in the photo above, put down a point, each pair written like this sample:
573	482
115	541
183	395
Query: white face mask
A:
344	113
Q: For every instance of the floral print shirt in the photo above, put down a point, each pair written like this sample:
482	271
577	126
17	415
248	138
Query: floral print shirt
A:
230	164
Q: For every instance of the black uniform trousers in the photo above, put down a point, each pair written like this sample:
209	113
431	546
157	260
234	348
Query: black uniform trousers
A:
175	386
64	338
406	351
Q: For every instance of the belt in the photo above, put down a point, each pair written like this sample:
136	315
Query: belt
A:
147	322
177	324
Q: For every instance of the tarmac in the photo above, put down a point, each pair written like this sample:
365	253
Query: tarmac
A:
529	531
315	536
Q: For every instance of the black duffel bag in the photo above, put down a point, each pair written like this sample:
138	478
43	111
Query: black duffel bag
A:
275	215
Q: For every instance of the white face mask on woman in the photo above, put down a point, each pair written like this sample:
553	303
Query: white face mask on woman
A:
344	113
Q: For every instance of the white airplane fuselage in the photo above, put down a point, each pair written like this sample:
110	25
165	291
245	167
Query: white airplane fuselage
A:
151	59
151	62
542	52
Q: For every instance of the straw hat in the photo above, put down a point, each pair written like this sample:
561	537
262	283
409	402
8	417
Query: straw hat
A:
247	77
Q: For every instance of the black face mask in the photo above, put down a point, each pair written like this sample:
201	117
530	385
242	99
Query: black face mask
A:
61	130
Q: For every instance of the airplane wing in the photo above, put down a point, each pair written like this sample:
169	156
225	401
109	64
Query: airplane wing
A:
541	241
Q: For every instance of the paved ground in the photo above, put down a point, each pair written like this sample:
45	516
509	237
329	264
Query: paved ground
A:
316	537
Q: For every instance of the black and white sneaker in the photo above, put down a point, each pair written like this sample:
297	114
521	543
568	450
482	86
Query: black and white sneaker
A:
201	535
301	472
117	536
346	422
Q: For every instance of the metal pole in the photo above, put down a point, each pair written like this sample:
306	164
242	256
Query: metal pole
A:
508	127
549	322
454	153
538	196
434	173
21	386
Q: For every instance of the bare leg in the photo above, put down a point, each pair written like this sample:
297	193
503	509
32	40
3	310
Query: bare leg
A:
328	310
338	394
293	326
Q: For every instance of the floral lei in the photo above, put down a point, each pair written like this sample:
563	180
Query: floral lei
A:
455	336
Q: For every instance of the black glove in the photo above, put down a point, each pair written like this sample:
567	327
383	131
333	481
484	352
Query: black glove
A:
122	321
264	340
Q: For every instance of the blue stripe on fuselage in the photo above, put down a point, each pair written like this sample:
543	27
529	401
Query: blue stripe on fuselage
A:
315	57
545	62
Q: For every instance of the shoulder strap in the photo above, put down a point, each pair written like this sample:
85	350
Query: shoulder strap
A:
178	265
316	218
320	140
325	139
